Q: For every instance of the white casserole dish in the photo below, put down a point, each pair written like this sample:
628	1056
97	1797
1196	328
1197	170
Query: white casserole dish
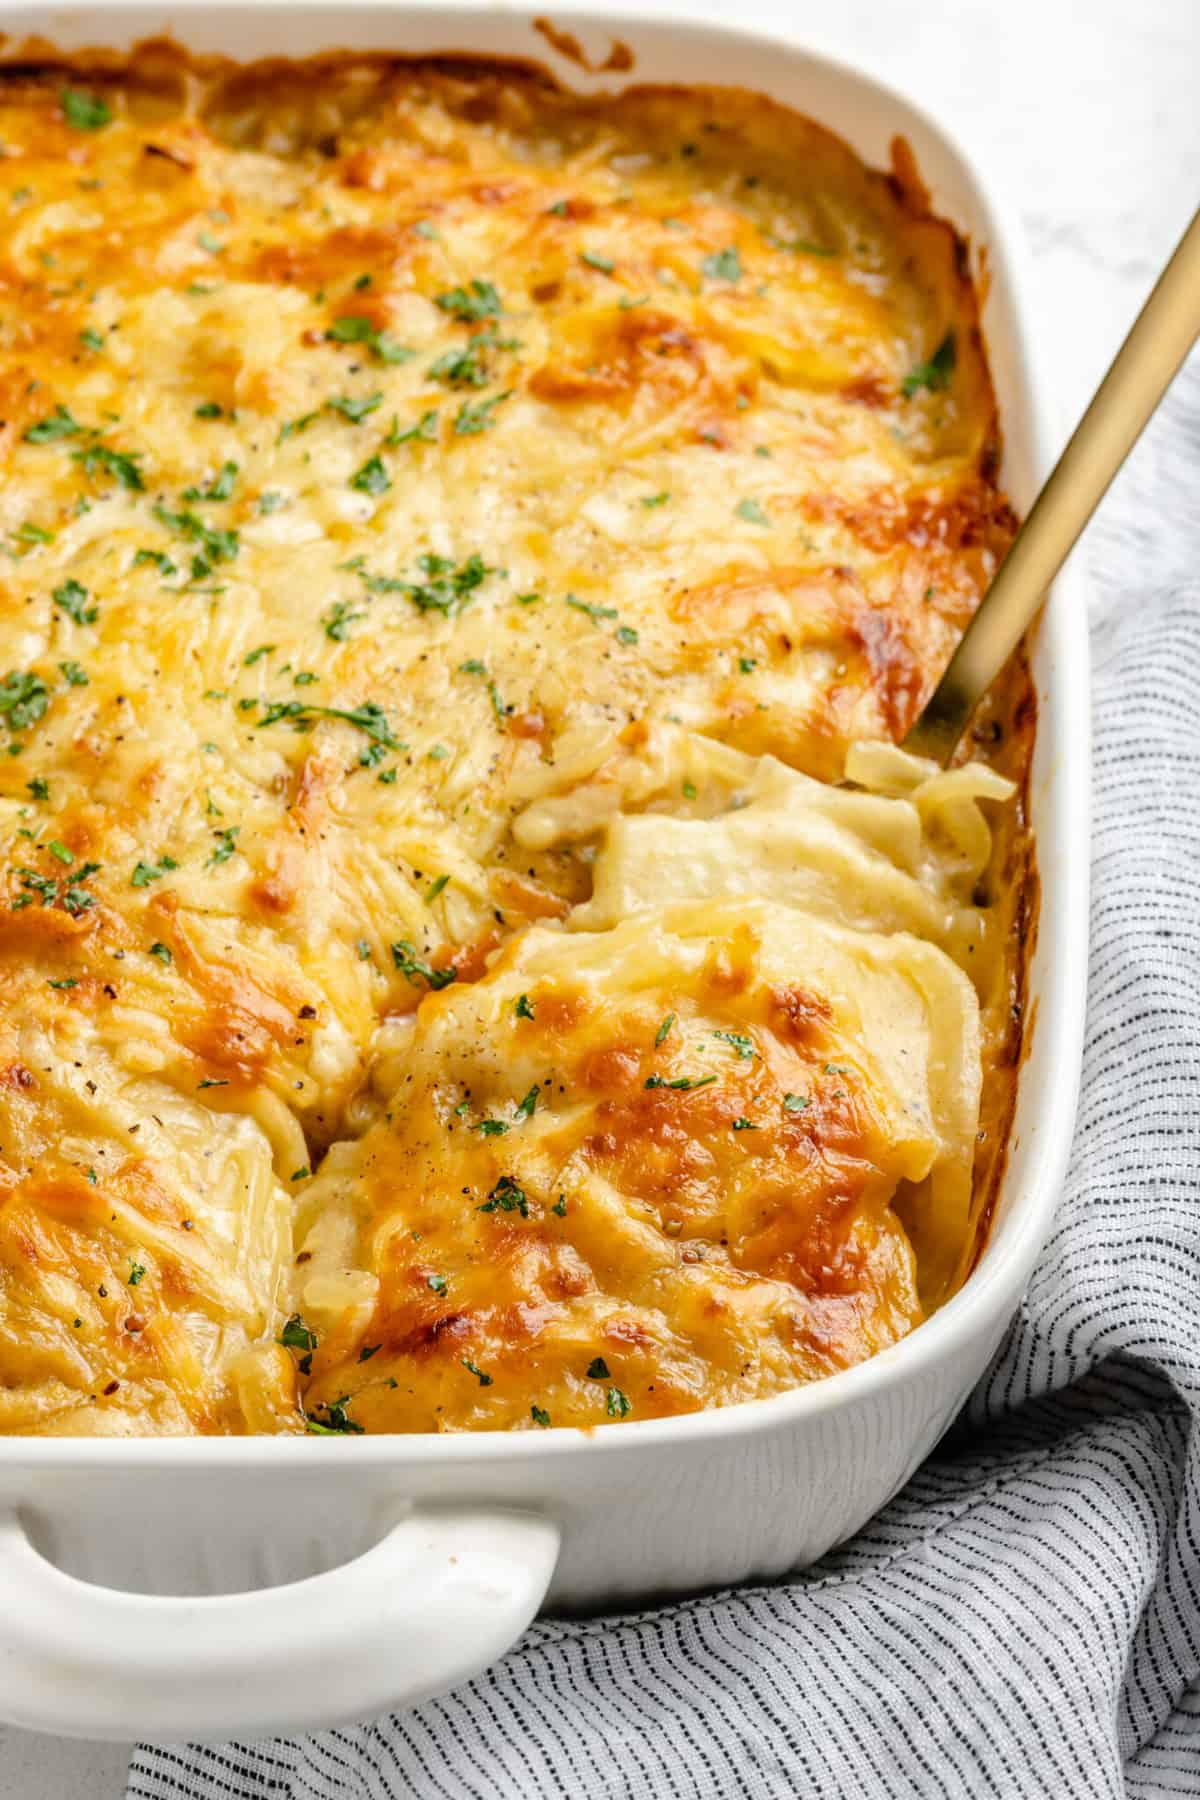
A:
204	1587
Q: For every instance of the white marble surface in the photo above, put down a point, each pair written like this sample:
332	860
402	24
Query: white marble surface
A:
1087	114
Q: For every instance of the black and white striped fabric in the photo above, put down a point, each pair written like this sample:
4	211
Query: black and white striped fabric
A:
1025	1618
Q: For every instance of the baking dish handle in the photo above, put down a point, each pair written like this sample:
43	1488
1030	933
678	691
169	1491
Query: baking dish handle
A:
441	1596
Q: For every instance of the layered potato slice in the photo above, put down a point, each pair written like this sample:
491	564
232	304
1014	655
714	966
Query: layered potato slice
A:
639	1171
145	1236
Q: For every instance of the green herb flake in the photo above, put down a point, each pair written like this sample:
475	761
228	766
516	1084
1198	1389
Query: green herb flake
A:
523	1009
338	620
539	1416
739	1043
528	1105
478	300
39	788
795	1103
594	612
744	1125
255	656
137	1274
436	1284
473	1369
121	465
354	409
220	488
470	420
50	430
24	698
73	674
616	1404
935	373
372	478
682	1083
163	954
560	1207
83	111
506	1196
144	873
660	1035
226	845
68	981
752	512
595	260
72	599
415	969
652	500
296	1335
723	265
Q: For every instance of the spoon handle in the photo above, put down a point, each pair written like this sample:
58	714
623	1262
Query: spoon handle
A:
1164	332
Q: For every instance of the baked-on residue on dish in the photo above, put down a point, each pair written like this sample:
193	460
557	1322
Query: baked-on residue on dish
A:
471	955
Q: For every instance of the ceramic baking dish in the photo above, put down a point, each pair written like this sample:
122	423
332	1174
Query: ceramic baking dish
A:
192	1587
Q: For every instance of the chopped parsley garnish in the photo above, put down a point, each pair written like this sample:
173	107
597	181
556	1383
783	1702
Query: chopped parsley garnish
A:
72	599
59	851
616	1404
293	427
738	1041
664	1028
492	1127
372	478
597	1369
936	372
68	981
560	1207
747	664
29	533
744	1125
301	1174
689	790
58	425
226	845
212	1081
723	265
24	698
369	718
465	367
137	1273
435	888
82	111
479	300
162	952
595	260
220	488
683	1083
207	409
473	1369
122	465
355	410
447	589
39	788
528	1105
338	620
625	634
253	656
650	500
158	559
506	1196
91	340
594	612
752	512
336	1422
795	1102
353	328
216	546
144	873
74	675
368	1351
424	431
415	969
436	1283
523	1009
296	1335
470	420
539	1416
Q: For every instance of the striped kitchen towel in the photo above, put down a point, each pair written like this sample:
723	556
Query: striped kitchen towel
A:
1025	1618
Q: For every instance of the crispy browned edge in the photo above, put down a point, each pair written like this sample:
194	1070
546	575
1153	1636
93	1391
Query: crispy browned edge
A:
1005	725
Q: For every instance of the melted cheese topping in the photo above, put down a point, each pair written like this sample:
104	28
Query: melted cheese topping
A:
445	516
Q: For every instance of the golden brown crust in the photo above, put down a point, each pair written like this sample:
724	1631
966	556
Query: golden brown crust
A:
412	468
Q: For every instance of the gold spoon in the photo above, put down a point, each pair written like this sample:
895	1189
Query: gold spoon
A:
1164	332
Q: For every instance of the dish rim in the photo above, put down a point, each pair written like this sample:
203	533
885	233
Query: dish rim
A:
984	1303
